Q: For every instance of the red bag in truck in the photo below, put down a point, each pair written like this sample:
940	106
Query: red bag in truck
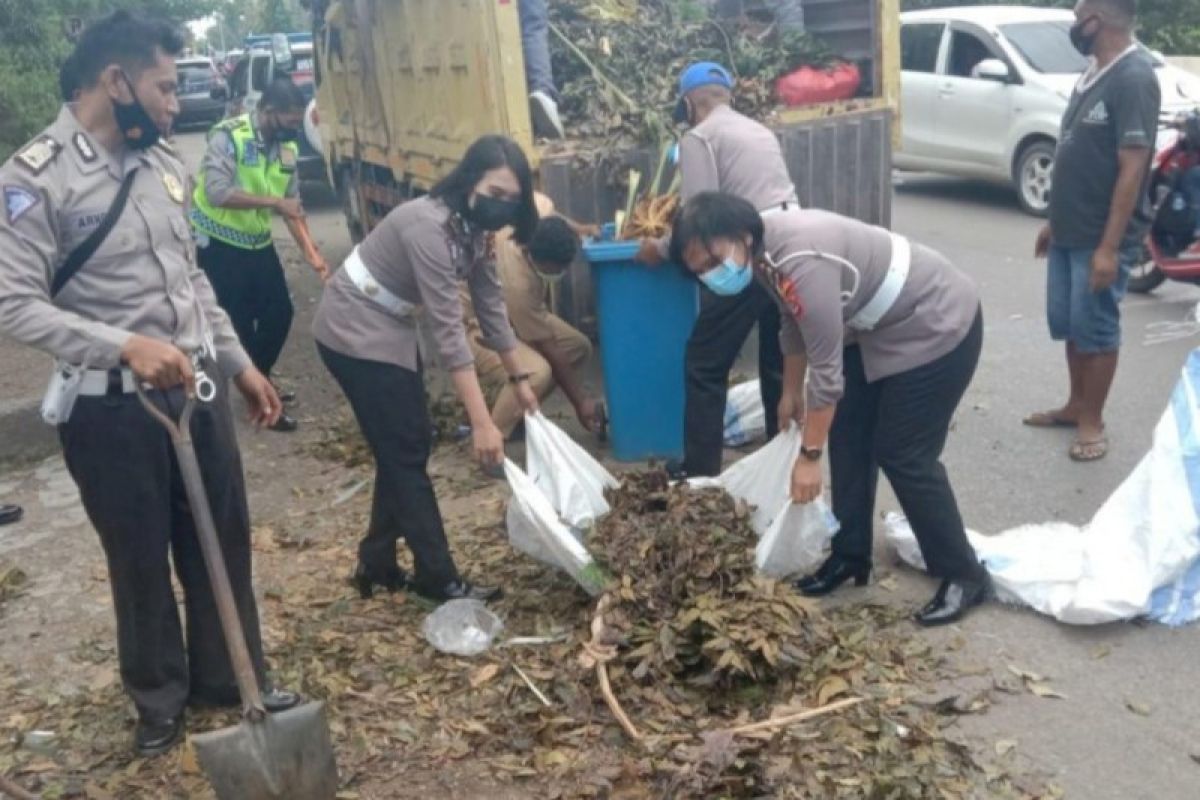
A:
807	85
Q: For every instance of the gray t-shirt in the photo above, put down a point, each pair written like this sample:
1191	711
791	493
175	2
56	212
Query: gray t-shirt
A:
1118	110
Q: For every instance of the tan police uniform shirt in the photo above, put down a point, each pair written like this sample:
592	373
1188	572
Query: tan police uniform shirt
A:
524	289
930	317
421	253
143	279
731	153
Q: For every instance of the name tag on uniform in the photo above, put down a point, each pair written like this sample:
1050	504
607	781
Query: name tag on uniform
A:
287	159
250	154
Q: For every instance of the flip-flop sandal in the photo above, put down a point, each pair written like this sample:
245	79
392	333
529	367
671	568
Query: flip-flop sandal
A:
600	422
1047	419
1084	452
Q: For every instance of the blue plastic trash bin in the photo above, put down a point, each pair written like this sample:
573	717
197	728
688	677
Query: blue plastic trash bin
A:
645	317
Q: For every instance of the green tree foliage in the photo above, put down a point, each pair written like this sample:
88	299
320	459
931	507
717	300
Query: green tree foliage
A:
33	43
1172	26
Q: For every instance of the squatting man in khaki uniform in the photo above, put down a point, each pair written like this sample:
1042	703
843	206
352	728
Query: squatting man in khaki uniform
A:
137	310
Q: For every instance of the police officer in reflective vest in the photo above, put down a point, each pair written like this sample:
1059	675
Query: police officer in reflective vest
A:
97	268
249	171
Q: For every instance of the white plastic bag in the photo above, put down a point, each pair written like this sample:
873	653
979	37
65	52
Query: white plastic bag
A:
535	529
745	417
764	480
1138	556
1034	565
570	478
796	540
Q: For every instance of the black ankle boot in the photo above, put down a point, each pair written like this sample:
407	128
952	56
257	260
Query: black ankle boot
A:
832	574
365	580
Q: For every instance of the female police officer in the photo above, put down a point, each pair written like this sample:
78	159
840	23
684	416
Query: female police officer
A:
367	336
890	334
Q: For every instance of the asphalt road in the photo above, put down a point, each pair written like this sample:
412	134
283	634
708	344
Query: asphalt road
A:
1005	475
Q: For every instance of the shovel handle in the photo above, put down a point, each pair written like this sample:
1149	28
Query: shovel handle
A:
210	547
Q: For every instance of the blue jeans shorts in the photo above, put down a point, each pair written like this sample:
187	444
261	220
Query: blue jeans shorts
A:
1090	320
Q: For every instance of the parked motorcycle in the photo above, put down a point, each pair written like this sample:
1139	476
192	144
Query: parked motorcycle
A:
1172	249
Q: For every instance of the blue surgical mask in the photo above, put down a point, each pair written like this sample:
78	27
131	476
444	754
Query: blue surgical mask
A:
728	279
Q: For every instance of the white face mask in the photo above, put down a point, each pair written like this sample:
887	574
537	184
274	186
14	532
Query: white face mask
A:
847	294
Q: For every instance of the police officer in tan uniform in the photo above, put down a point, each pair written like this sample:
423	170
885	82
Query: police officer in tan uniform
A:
137	309
728	152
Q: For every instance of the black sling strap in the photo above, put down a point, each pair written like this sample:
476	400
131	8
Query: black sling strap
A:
81	254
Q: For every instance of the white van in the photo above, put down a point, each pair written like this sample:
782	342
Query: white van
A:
984	89
252	74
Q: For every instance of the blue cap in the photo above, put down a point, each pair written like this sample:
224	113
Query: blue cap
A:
702	73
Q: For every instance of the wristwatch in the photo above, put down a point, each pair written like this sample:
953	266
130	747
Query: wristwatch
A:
515	379
811	453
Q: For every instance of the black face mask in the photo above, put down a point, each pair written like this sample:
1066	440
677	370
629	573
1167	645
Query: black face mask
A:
283	133
492	213
139	128
1085	43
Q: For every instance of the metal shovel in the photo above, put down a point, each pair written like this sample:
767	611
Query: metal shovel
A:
282	756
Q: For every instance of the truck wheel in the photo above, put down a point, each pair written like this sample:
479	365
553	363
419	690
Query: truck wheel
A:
1033	177
351	200
1146	275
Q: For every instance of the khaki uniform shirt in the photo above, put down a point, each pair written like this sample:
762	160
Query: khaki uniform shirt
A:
524	288
731	153
421	252
931	316
143	279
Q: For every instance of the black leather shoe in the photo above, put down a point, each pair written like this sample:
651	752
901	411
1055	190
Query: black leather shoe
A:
285	395
277	700
459	590
832	574
155	737
273	699
365	580
285	424
11	514
953	600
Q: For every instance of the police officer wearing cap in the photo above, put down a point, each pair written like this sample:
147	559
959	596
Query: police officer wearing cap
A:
97	268
728	152
249	173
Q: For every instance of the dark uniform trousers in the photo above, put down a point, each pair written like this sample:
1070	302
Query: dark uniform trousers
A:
251	287
899	424
389	403
128	477
721	330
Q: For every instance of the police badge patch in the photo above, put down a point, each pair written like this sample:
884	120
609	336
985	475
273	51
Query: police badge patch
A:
17	202
250	154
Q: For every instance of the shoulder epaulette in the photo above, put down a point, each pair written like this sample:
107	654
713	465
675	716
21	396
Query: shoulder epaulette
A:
38	154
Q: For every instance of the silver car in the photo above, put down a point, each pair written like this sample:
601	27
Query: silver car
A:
198	77
984	89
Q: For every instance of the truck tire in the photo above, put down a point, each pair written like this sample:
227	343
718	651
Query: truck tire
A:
1146	275
1033	175
347	190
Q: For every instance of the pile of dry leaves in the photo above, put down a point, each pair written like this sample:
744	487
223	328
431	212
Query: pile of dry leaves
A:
709	647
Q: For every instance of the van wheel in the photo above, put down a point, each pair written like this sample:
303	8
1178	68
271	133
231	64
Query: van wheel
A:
1146	275
1033	177
351	204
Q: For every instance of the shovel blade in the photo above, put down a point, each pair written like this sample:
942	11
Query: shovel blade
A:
286	756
